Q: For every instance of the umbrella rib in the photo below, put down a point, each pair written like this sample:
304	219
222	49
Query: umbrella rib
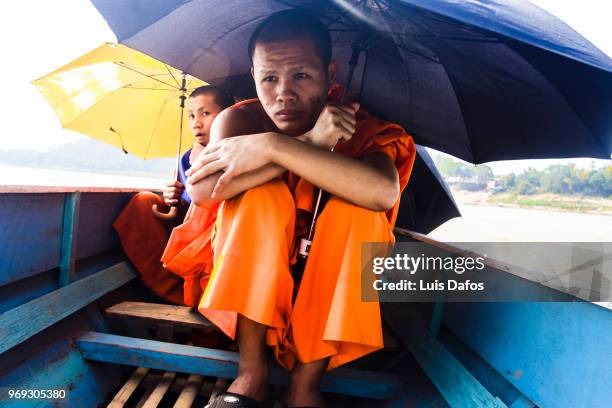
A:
454	88
330	21
441	65
66	126
170	94
172	75
148	89
121	64
216	40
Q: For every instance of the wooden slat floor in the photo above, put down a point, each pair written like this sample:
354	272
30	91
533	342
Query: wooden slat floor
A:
148	388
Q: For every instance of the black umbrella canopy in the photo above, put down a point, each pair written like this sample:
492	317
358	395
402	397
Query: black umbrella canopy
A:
427	201
482	81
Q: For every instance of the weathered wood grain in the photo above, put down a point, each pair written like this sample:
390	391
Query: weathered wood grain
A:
224	364
70	225
128	388
160	390
189	392
456	384
155	312
30	235
22	322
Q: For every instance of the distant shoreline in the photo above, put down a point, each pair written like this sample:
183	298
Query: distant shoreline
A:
566	203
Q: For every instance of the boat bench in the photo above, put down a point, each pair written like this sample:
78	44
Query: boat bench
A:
209	369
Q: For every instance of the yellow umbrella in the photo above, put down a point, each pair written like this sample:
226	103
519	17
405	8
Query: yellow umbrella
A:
122	97
125	98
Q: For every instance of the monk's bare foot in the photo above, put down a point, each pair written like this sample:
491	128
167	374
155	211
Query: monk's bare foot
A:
304	387
252	380
251	383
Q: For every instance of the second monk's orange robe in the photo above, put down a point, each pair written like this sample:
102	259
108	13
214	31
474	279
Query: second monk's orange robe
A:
254	239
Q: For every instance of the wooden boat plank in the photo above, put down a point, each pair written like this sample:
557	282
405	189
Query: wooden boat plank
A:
483	372
24	189
562	345
128	388
155	312
190	391
22	322
456	384
160	390
32	231
70	225
30	234
197	360
96	215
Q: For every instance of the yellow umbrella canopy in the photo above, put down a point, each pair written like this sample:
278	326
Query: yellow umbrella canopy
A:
122	97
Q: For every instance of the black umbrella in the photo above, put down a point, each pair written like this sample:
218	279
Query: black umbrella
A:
427	201
482	81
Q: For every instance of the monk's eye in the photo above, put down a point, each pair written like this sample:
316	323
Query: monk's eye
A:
300	75
270	78
191	116
205	113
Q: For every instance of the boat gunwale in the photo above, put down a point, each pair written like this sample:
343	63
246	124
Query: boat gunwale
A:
26	189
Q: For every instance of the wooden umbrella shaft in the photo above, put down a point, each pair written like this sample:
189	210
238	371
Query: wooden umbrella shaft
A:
173	209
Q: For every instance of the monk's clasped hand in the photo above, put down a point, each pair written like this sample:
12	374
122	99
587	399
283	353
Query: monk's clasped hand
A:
233	156
335	123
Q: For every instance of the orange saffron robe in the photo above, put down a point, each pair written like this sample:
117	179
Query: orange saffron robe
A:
254	239
143	238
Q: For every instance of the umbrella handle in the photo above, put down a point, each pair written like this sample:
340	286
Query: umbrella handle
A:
164	216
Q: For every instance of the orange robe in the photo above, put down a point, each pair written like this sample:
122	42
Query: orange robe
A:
254	239
143	238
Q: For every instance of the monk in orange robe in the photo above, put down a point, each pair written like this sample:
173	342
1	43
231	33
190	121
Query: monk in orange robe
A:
265	157
144	236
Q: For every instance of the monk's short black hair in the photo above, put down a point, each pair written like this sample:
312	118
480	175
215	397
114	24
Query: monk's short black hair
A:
222	98
292	25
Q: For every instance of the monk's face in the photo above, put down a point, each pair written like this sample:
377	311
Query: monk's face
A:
201	111
291	83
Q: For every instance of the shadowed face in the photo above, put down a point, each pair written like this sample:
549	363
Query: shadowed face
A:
291	83
202	110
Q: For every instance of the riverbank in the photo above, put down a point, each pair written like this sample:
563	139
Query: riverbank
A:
547	202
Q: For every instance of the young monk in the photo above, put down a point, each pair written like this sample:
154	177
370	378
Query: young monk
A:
144	236
264	158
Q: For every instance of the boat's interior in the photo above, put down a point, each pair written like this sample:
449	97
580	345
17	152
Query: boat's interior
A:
75	317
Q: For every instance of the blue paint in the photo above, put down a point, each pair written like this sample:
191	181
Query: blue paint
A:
456	384
22	322
484	373
97	213
557	354
436	318
30	234
69	229
198	360
24	290
50	361
32	225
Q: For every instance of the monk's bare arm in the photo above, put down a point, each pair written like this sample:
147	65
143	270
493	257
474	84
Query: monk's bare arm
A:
230	123
371	183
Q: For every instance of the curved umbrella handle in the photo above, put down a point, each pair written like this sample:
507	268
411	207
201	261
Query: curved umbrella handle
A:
164	216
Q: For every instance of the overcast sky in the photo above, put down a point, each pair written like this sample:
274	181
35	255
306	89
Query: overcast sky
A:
40	36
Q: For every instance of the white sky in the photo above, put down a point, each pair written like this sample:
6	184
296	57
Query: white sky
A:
40	36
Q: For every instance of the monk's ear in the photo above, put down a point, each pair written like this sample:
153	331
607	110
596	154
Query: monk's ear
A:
332	72
252	73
